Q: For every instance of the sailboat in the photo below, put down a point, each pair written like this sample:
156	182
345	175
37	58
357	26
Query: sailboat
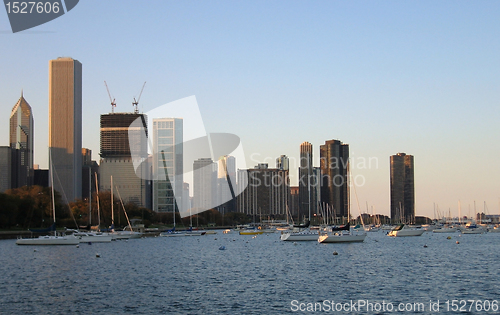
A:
91	236
344	234
404	230
303	233
50	239
127	233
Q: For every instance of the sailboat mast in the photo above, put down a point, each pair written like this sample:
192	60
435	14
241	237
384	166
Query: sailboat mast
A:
53	198
97	199
459	213
90	196
112	213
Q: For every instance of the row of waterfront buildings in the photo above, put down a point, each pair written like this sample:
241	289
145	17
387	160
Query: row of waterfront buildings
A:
156	180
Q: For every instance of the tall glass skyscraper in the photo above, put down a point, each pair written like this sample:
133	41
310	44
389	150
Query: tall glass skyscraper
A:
65	126
402	189
334	160
21	144
306	200
168	168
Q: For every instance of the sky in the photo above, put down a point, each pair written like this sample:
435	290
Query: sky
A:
420	77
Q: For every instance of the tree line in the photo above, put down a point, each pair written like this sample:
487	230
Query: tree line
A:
31	207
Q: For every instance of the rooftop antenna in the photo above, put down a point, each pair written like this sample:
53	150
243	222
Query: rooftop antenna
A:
136	103
113	103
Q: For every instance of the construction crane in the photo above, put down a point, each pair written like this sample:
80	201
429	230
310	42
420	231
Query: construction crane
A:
113	103
136	102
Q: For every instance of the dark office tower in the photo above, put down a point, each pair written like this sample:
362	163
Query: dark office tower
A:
21	143
89	171
128	165
266	192
402	189
293	208
334	160
5	168
306	202
65	126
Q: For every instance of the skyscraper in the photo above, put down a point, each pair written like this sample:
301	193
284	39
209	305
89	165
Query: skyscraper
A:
21	143
65	126
306	200
89	171
226	184
402	189
168	177
334	163
282	163
204	184
266	191
5	168
128	165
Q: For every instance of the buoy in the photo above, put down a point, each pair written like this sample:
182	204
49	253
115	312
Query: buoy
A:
449	238
425	246
97	255
458	242
335	253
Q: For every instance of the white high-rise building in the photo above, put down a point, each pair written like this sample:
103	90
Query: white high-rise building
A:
168	176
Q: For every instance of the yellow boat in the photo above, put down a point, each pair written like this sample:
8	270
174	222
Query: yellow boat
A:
251	232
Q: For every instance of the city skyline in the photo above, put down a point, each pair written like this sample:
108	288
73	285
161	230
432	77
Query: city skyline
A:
383	68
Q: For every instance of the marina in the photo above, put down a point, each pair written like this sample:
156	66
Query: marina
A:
256	274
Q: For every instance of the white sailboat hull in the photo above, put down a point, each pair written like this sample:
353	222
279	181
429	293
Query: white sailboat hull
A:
445	230
49	240
406	232
299	236
473	231
125	235
94	238
341	238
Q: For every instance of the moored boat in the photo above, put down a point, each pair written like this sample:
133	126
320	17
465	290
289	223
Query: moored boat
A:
305	235
251	232
445	229
349	236
403	230
49	240
91	237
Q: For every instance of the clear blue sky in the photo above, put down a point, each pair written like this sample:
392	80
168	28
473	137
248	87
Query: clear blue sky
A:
420	77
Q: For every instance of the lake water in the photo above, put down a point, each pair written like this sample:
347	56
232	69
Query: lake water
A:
261	275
